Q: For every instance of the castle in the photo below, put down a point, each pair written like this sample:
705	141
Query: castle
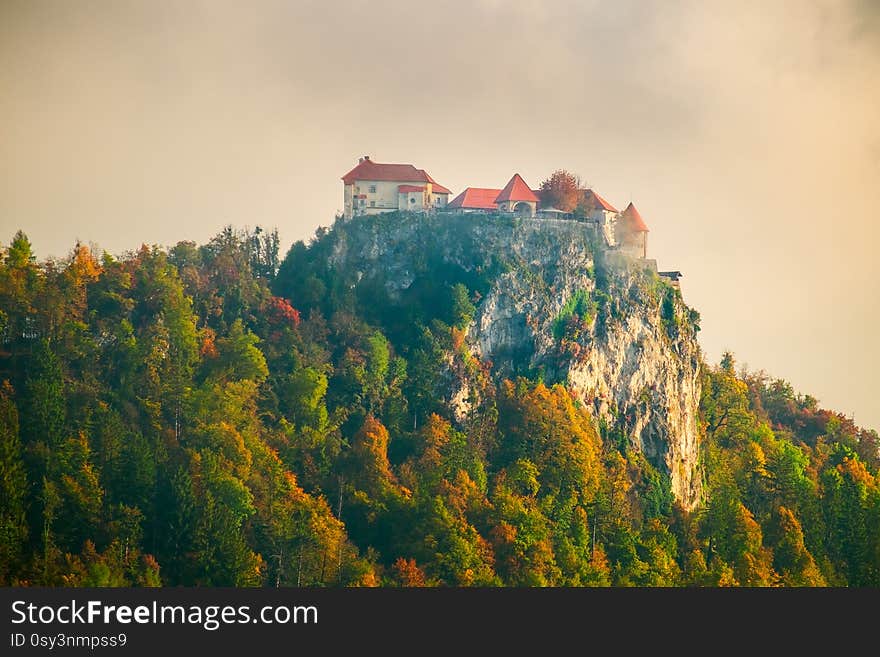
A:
372	187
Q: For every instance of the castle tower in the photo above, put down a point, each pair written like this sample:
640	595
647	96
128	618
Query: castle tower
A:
517	197
632	233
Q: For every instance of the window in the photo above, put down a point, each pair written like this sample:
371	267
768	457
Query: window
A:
412	200
372	204
372	189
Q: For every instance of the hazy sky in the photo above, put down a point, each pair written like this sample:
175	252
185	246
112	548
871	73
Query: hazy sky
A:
746	132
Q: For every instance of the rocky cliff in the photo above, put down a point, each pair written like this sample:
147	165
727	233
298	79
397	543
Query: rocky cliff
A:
551	301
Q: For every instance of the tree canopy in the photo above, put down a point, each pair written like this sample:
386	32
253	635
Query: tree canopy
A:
562	190
208	415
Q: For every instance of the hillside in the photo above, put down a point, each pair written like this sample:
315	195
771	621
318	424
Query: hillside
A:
548	304
407	400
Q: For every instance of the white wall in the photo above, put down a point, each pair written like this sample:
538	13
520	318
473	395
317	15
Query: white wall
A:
387	197
608	222
347	209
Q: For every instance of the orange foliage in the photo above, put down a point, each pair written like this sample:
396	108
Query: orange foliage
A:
857	472
463	494
503	533
562	434
457	339
370	449
84	267
368	579
435	434
599	561
407	573
208	348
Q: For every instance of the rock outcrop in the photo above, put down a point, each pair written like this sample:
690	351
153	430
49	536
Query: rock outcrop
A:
557	303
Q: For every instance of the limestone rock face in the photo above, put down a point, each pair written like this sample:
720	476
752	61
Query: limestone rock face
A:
651	385
556	303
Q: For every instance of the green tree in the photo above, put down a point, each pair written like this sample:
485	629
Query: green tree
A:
791	559
735	538
222	555
238	356
724	405
13	490
43	404
463	309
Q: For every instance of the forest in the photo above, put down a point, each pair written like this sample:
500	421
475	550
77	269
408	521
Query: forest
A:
213	415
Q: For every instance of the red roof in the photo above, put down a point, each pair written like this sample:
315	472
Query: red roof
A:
516	190
410	188
475	198
595	202
369	170
436	187
634	219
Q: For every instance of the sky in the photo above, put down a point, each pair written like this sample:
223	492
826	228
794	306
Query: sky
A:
746	132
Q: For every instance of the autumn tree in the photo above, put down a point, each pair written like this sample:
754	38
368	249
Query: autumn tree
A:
851	507
724	404
205	415
370	469
791	559
735	539
561	191
406	572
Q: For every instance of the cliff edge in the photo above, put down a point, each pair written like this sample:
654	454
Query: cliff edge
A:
550	301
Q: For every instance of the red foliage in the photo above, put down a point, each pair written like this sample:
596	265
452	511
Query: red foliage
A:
561	190
281	312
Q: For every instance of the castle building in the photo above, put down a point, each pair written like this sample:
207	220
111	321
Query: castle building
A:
602	213
373	187
516	197
631	233
475	199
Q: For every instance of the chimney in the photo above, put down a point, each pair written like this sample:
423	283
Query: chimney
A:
367	158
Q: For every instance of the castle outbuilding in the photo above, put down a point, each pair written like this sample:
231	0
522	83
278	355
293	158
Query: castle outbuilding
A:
632	232
475	199
602	213
516	197
373	187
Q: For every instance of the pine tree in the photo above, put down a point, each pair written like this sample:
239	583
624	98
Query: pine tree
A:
13	491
